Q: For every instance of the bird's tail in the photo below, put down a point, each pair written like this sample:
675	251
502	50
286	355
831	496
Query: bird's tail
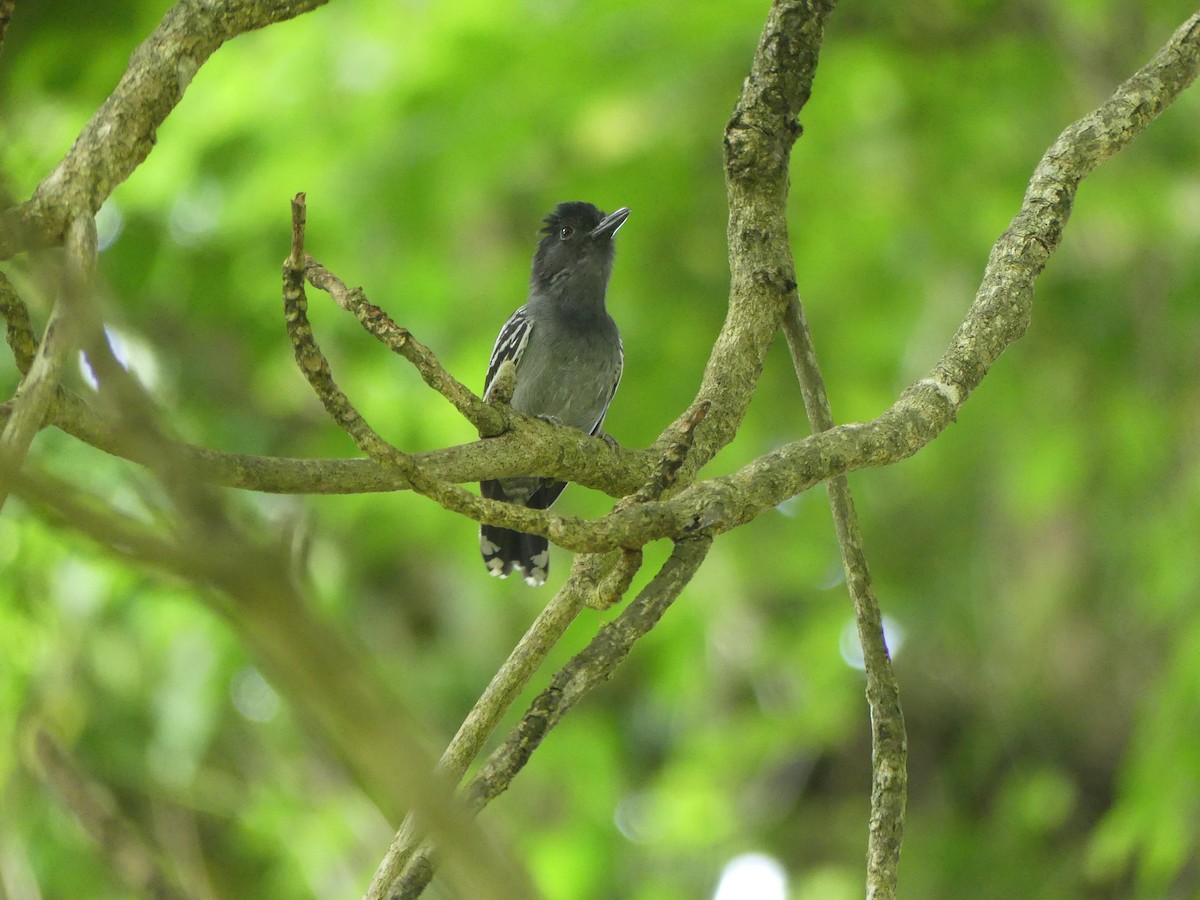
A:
504	550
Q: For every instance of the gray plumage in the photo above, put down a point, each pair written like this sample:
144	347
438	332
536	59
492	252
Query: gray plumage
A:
568	357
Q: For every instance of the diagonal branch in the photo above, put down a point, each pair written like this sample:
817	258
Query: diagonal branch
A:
597	581
122	132
889	742
34	395
18	330
335	689
485	417
588	669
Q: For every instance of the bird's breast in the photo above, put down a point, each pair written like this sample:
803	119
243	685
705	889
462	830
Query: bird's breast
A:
568	373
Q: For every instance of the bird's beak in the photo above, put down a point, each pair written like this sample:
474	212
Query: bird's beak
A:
609	224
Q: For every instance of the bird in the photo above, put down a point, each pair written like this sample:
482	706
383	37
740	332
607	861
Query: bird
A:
568	358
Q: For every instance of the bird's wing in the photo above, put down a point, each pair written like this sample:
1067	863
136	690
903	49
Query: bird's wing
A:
510	344
616	384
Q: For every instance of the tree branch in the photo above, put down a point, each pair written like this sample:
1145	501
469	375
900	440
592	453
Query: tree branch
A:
758	143
588	669
18	330
598	581
123	130
615	471
889	741
329	680
34	395
486	418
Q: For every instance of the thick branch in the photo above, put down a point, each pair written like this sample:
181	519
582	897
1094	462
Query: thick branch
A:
758	143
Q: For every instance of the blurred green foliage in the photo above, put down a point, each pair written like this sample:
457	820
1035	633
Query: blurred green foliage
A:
1040	558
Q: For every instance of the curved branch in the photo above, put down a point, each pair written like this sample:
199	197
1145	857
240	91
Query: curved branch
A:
997	318
122	132
758	144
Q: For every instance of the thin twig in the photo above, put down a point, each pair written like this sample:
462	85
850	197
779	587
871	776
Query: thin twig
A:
889	742
485	417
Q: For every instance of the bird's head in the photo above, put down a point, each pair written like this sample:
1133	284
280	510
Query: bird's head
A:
576	250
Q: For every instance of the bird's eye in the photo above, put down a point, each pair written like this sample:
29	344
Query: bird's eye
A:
565	232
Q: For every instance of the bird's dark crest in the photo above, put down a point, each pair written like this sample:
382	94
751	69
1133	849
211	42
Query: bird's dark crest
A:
584	216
